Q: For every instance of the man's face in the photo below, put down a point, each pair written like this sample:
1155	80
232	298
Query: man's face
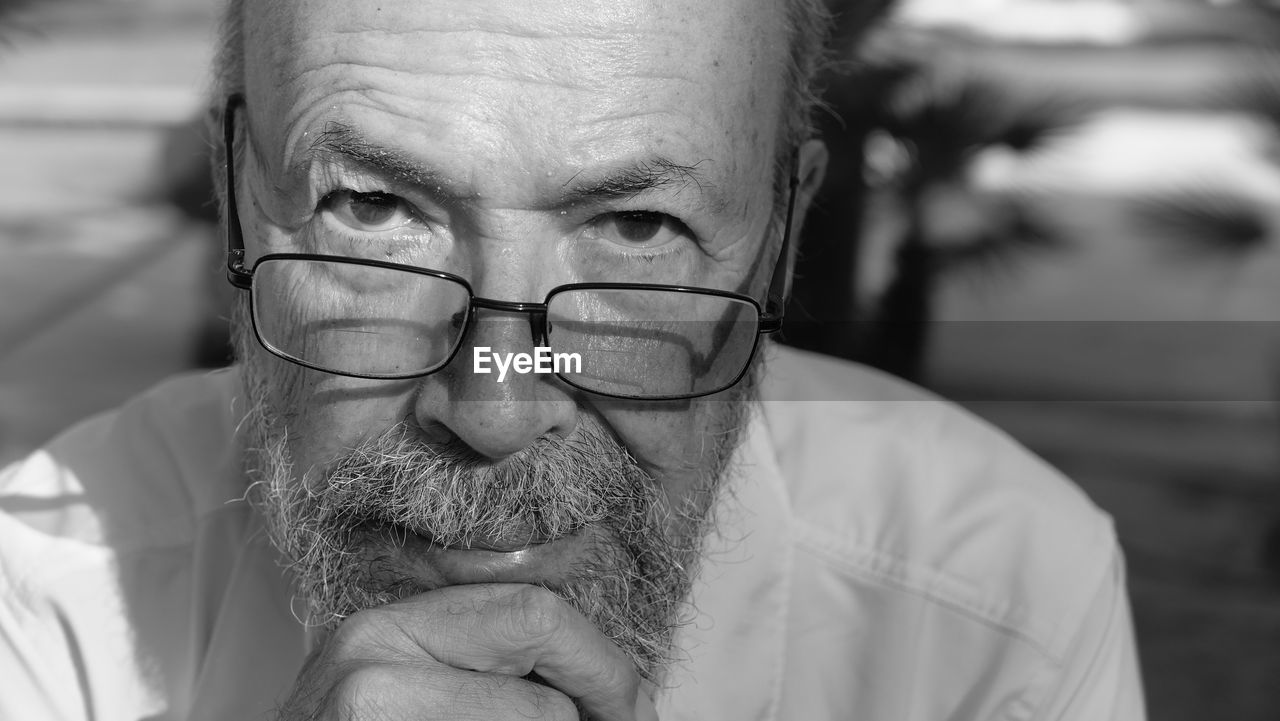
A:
502	141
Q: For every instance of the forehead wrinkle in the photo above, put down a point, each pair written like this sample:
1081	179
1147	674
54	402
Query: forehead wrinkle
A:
584	21
594	64
492	111
339	140
601	45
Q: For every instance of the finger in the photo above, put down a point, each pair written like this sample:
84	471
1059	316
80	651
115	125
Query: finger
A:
395	692
516	629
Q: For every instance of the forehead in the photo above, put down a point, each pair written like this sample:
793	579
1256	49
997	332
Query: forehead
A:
525	85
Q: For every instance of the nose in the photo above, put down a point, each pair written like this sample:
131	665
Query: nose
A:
500	412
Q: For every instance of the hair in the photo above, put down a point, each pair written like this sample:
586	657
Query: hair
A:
810	26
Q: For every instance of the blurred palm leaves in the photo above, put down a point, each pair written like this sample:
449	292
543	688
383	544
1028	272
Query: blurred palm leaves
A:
988	235
947	119
9	5
939	126
1204	223
11	20
920	133
1259	94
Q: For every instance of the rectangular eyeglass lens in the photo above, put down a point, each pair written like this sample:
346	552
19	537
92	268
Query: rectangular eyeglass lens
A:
653	342
356	318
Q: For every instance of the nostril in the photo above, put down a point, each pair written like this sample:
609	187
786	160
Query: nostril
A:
434	433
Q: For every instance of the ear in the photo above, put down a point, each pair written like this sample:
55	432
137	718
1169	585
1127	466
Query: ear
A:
811	168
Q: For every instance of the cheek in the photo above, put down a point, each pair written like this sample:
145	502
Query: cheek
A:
324	414
329	415
677	446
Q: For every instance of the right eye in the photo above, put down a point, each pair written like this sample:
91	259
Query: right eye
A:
374	212
640	228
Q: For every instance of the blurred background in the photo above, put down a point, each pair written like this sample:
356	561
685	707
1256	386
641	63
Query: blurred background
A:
1063	213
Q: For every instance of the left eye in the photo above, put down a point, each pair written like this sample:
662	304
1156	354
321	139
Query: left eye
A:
641	228
368	212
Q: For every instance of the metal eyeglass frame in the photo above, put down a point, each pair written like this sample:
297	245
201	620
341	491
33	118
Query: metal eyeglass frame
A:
769	318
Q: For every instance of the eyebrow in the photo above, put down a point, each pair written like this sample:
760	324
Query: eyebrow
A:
340	140
627	182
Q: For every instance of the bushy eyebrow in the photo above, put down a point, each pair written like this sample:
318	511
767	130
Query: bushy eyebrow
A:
340	140
628	182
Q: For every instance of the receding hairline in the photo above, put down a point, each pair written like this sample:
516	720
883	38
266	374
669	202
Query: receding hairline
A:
809	25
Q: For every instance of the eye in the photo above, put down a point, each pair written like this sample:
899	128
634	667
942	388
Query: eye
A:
368	212
640	228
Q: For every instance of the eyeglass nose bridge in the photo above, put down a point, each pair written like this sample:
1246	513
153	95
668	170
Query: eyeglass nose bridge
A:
537	313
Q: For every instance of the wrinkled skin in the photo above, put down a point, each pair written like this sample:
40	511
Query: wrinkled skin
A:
503	110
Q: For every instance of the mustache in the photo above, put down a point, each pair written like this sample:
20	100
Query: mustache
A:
455	497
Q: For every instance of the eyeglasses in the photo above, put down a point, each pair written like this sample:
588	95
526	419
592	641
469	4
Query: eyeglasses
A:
375	319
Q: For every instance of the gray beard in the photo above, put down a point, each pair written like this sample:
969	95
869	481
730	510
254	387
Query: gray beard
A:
634	585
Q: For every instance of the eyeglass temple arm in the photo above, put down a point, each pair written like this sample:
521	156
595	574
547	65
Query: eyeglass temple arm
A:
239	276
776	300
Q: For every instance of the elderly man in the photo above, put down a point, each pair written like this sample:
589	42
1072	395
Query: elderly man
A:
508	412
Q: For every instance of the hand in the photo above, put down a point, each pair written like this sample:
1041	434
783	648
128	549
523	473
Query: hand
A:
459	653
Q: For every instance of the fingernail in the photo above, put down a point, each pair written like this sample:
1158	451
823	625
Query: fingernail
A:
645	709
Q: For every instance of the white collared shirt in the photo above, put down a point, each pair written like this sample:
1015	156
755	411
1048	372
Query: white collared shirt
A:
881	555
